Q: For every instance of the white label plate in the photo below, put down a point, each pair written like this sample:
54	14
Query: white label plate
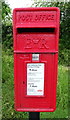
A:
35	79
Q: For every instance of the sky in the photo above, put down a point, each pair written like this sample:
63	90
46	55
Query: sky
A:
19	3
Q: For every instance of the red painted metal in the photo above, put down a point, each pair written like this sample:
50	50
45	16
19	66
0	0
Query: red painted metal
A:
36	30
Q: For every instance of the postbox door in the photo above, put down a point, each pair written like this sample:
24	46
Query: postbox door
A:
43	96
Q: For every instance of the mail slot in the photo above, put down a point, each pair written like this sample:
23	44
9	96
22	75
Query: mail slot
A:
36	36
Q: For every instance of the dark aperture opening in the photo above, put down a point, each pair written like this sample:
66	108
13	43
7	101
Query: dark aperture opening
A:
22	30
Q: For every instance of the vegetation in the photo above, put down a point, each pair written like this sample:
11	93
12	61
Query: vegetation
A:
7	38
7	79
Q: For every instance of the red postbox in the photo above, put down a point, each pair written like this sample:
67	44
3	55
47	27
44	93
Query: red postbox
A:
36	35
